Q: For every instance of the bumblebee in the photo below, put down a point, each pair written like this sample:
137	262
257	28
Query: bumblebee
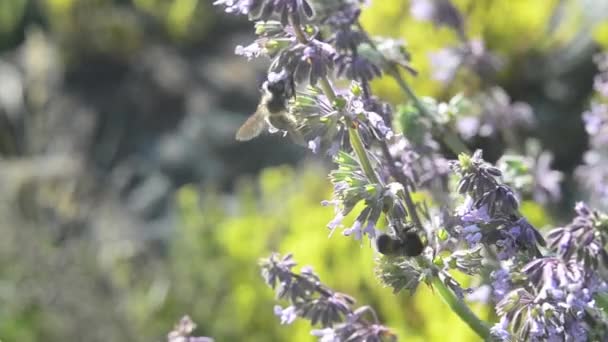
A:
408	243
272	111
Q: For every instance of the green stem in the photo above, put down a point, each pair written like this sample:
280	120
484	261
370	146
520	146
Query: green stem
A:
357	144
461	309
355	138
297	29
327	89
405	181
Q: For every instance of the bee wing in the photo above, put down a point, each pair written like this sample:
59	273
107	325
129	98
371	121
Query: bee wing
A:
254	125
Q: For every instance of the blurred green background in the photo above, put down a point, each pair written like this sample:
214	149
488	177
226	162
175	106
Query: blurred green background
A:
125	202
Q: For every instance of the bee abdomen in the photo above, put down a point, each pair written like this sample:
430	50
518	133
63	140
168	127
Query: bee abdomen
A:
283	122
410	245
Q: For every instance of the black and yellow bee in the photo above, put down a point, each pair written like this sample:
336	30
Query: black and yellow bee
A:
272	110
407	243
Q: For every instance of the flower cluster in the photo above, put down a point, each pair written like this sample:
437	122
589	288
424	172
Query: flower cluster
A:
439	12
553	298
593	174
265	9
468	53
319	304
384	176
489	214
494	114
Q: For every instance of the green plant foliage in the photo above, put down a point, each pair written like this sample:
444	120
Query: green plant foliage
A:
11	12
501	24
214	256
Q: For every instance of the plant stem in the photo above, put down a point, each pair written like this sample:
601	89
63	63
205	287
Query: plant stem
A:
300	36
461	309
405	181
327	89
357	144
355	138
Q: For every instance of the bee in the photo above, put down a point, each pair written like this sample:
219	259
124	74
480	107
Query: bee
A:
272	111
408	244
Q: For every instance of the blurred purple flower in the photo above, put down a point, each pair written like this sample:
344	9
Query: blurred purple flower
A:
446	62
583	239
537	320
325	335
343	34
357	68
439	12
600	82
356	229
593	175
182	331
596	124
287	315
476	215
312	300
314	145
499	331
547	182
501	283
499	115
265	9
311	61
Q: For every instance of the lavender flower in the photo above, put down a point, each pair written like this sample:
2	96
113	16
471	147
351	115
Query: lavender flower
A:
264	9
309	61
496	115
553	297
592	174
489	215
355	67
478	177
532	320
596	124
356	330
471	54
183	330
312	300
439	12
342	22
600	82
553	302
501	283
584	239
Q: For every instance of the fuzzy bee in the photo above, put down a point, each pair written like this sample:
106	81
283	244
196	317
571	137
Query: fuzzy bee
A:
407	244
272	111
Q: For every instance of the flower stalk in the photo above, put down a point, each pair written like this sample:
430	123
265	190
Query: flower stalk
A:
461	309
354	136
